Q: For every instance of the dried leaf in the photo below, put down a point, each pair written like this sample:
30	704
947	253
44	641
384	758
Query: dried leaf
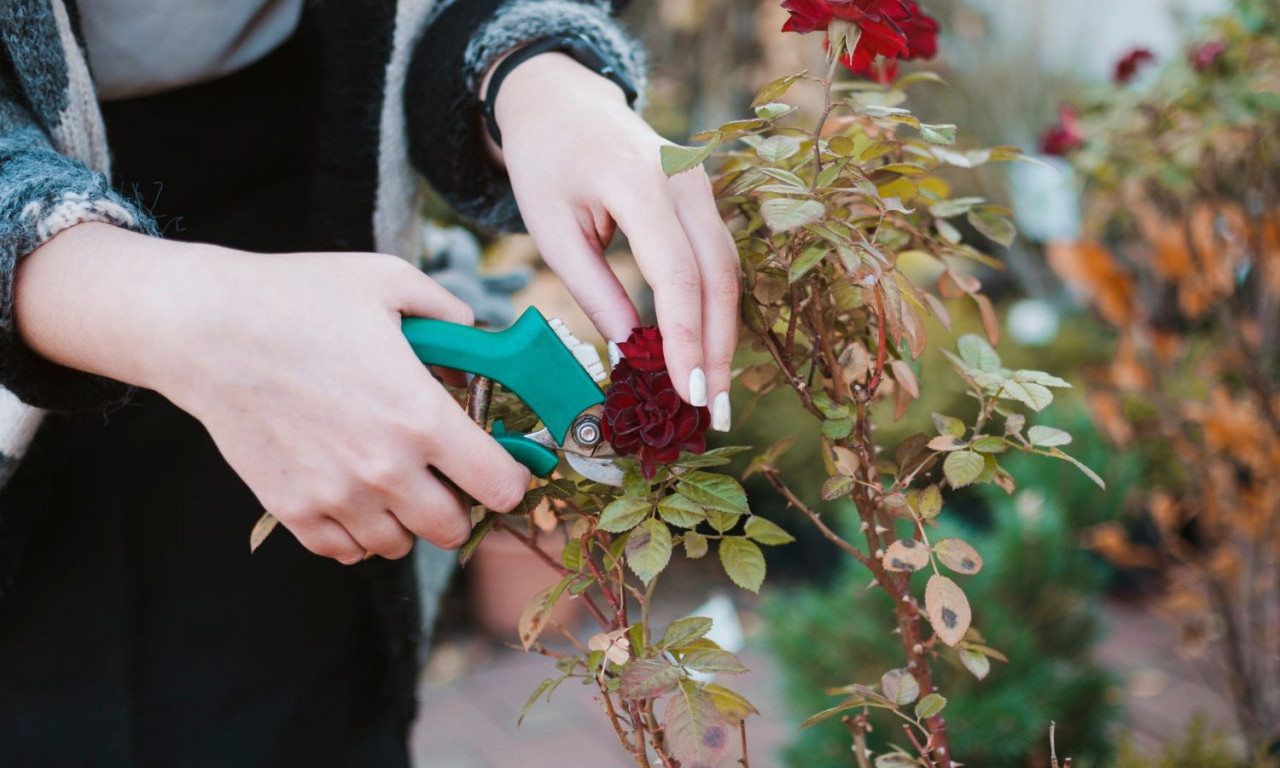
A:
261	530
906	556
958	556
948	609
695	731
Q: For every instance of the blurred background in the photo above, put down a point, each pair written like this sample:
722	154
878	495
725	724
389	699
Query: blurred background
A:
1135	617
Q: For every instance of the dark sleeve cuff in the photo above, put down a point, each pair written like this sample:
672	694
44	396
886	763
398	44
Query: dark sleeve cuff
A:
442	104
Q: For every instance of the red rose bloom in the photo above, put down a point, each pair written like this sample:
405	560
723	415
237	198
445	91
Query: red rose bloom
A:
1065	137
1206	55
1127	67
643	414
890	30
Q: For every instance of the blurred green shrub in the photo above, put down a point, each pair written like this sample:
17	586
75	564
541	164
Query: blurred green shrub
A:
1200	748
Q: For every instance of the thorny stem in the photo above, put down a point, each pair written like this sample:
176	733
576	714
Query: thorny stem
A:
641	755
529	542
771	474
915	742
613	718
742	728
601	581
858	727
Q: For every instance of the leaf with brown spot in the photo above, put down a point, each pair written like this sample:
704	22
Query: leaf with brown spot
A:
958	556
948	609
534	619
906	556
696	732
905	377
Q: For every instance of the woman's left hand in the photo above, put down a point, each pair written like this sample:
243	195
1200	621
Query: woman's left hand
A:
583	164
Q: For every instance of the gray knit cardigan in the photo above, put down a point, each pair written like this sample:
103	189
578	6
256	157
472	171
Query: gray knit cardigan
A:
55	161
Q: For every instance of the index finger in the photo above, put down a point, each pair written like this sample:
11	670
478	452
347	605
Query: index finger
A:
647	216
477	464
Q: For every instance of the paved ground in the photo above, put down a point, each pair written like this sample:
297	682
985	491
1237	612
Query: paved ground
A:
473	690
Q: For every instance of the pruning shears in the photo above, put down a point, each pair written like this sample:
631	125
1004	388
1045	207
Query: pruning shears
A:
541	362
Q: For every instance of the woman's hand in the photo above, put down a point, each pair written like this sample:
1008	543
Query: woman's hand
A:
295	364
580	160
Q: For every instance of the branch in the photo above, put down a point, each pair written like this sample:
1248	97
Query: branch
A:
771	474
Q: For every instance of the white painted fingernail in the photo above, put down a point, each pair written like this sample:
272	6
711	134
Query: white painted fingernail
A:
697	388
720	414
615	354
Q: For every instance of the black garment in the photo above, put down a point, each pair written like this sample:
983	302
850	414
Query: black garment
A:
138	630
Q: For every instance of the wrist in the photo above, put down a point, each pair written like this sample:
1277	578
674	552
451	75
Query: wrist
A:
545	83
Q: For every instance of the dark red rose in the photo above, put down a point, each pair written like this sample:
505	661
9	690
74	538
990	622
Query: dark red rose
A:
643	414
1065	137
899	31
1207	54
1133	61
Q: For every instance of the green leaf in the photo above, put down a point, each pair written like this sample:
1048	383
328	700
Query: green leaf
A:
743	562
718	492
767	532
784	214
977	352
1034	396
977	664
677	159
994	226
732	706
948	609
957	555
681	511
963	467
899	686
649	549
808	259
478	533
624	514
990	444
1089	473
712	660
775	149
684	630
836	487
649	678
930	706
1046	437
695	545
930	502
837	428
774	91
722	521
547	687
853	702
949	425
948	208
571	557
938	134
896	760
695	732
773	110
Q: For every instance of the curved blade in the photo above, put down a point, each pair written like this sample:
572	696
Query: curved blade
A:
600	470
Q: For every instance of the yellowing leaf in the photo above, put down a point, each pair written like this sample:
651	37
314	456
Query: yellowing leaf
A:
732	706
743	562
905	377
767	532
784	214
695	731
948	609
947	443
836	487
930	706
1047	436
958	556
930	502
695	545
906	556
948	425
846	461
977	664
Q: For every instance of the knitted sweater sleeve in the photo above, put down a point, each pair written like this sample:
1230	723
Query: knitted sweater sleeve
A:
42	193
442	104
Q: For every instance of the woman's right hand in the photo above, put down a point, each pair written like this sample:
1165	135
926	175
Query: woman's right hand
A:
296	365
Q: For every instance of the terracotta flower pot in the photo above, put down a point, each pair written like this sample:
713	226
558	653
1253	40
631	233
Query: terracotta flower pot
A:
504	577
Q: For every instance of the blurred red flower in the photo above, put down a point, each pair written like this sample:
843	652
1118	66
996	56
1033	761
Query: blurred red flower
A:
892	29
1127	67
1065	137
643	414
1207	54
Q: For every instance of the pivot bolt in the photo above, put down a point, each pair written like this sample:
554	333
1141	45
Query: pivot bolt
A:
587	431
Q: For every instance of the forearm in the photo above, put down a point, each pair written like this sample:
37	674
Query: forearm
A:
102	299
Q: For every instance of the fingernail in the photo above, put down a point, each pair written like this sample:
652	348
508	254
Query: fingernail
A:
697	388
352	560
720	415
615	354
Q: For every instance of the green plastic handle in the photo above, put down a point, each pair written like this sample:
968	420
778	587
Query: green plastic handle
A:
540	460
528	358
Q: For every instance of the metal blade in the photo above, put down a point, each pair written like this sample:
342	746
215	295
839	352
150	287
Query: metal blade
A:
599	470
